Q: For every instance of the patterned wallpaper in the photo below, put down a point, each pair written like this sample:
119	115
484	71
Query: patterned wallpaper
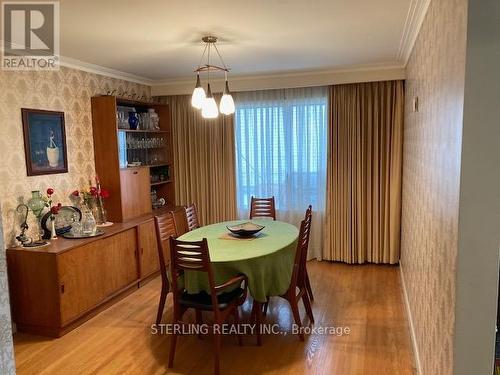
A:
7	366
66	90
431	179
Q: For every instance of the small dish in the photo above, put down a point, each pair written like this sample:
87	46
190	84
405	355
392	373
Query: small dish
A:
246	229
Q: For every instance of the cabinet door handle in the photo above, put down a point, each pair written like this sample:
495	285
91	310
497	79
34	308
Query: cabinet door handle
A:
134	172
142	250
62	288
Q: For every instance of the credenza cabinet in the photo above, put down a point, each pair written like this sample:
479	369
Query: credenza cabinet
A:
56	288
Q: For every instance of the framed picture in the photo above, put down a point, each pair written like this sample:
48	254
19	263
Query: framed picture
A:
44	142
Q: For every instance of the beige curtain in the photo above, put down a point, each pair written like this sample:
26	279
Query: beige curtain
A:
204	157
363	211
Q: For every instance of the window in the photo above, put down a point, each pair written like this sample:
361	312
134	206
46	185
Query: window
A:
281	148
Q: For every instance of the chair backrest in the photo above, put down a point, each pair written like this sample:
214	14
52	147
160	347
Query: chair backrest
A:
262	207
192	217
299	267
181	225
191	256
165	228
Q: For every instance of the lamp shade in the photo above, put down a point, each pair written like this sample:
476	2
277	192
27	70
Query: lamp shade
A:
209	108
198	96
227	104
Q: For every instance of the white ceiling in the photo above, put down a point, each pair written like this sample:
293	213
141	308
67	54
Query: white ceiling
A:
160	39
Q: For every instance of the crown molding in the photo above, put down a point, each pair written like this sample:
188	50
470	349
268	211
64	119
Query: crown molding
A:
414	19
364	73
69	62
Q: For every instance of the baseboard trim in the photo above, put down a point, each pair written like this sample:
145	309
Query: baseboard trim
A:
413	337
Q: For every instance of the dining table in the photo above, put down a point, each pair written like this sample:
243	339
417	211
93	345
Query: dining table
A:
266	258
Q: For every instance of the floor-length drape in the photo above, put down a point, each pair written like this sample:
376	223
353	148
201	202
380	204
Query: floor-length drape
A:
204	159
281	151
363	211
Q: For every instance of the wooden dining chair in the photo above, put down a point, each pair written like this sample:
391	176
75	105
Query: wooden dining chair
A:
180	220
308	283
195	256
192	217
165	229
262	207
298	284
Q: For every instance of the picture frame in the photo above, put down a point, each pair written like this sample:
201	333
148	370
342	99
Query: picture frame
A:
44	142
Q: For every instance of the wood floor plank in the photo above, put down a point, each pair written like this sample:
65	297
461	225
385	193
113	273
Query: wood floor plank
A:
366	298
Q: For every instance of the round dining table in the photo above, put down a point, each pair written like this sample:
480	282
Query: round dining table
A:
266	259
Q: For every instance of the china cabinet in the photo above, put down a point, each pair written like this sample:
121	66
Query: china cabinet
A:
133	155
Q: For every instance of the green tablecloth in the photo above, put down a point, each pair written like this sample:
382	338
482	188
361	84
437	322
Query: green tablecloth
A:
266	260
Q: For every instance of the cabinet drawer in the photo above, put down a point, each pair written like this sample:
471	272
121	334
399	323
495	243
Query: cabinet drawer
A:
135	192
148	248
91	273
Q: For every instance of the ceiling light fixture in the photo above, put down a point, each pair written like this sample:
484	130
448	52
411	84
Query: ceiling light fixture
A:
206	101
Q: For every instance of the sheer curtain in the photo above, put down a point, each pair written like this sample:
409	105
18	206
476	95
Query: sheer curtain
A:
281	151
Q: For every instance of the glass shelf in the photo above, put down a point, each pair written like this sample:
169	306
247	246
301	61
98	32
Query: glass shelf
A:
149	148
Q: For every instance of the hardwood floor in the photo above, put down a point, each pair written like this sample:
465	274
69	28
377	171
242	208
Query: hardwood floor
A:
367	299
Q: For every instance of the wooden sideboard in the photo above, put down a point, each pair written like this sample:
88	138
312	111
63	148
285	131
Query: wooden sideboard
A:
55	288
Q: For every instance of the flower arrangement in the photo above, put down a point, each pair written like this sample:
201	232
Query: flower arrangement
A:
88	196
92	198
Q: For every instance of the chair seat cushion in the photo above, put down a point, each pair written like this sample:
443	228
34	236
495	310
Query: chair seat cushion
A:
203	300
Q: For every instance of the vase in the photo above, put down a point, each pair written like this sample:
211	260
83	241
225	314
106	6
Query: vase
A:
36	204
53	233
133	120
53	156
99	212
89	225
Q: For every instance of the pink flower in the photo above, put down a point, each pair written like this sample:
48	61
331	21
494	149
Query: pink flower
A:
76	193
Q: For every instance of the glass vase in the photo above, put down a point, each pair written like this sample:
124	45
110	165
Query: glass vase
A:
37	204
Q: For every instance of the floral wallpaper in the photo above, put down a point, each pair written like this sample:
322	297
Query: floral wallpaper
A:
431	180
66	90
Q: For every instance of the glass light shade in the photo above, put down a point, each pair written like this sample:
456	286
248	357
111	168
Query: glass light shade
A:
209	109
227	104
198	97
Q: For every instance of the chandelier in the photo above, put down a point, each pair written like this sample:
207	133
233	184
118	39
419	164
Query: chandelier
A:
206	101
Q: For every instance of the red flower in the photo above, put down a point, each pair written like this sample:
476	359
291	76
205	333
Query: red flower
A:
54	210
104	194
59	205
93	191
50	191
76	193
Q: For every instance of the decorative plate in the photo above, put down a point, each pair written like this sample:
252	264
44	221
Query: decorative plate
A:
64	218
245	229
98	232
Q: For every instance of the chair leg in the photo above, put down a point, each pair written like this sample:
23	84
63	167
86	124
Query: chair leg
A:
266	306
296	316
308	287
161	305
236	314
217	340
307	305
173	342
199	321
